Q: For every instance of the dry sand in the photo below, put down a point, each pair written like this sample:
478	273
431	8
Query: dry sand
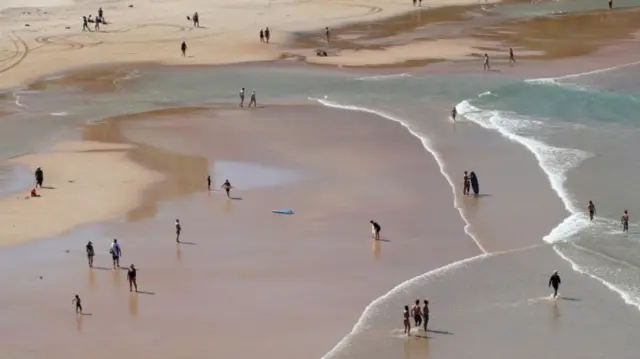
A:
151	31
84	182
250	283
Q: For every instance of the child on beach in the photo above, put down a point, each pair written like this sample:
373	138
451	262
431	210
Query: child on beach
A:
77	302
407	323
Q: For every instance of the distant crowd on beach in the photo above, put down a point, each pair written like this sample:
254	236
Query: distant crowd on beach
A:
97	21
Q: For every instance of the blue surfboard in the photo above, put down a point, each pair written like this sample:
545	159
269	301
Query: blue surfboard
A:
282	211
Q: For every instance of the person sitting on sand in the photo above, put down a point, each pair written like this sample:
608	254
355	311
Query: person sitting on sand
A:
554	281
407	323
375	230
227	187
34	193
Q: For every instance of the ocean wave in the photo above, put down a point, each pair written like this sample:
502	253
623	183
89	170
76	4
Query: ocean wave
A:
374	306
425	143
557	80
382	77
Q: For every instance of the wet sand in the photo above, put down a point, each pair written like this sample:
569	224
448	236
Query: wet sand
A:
250	282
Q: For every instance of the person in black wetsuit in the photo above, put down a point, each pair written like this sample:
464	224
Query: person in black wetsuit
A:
39	177
592	210
131	277
554	281
76	300
425	314
90	253
454	113
375	229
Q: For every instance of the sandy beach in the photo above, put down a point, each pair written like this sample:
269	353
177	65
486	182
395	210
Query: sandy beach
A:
130	156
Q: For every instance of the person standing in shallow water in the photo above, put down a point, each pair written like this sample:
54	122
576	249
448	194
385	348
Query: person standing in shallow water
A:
242	97
466	184
416	311
592	210
554	281
178	230
76	300
625	221
425	314
90	253
227	187
131	277
407	323
183	48
487	66
253	99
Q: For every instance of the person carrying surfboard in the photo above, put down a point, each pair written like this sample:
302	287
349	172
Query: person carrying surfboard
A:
375	229
227	187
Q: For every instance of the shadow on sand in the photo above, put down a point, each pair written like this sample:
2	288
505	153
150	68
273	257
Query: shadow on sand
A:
189	243
145	292
236	198
570	299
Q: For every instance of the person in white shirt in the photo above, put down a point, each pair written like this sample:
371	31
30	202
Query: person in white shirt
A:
116	252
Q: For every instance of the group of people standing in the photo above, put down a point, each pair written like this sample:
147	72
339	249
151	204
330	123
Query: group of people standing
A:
97	21
420	316
252	101
265	35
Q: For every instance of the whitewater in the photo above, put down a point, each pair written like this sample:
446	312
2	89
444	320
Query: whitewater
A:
556	162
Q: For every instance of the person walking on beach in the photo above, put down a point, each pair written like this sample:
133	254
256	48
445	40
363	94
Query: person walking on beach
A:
416	311
415	2
209	183
554	281
466	184
261	35
625	221
327	34
96	26
183	48
76	300
610	4
375	230
90	253
407	323
227	187
253	99
454	113
425	315
592	210
178	230
39	177
85	24
242	97
512	57
131	277
116	253
487	66
267	34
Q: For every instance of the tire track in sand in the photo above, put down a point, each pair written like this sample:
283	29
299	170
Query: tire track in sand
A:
21	50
